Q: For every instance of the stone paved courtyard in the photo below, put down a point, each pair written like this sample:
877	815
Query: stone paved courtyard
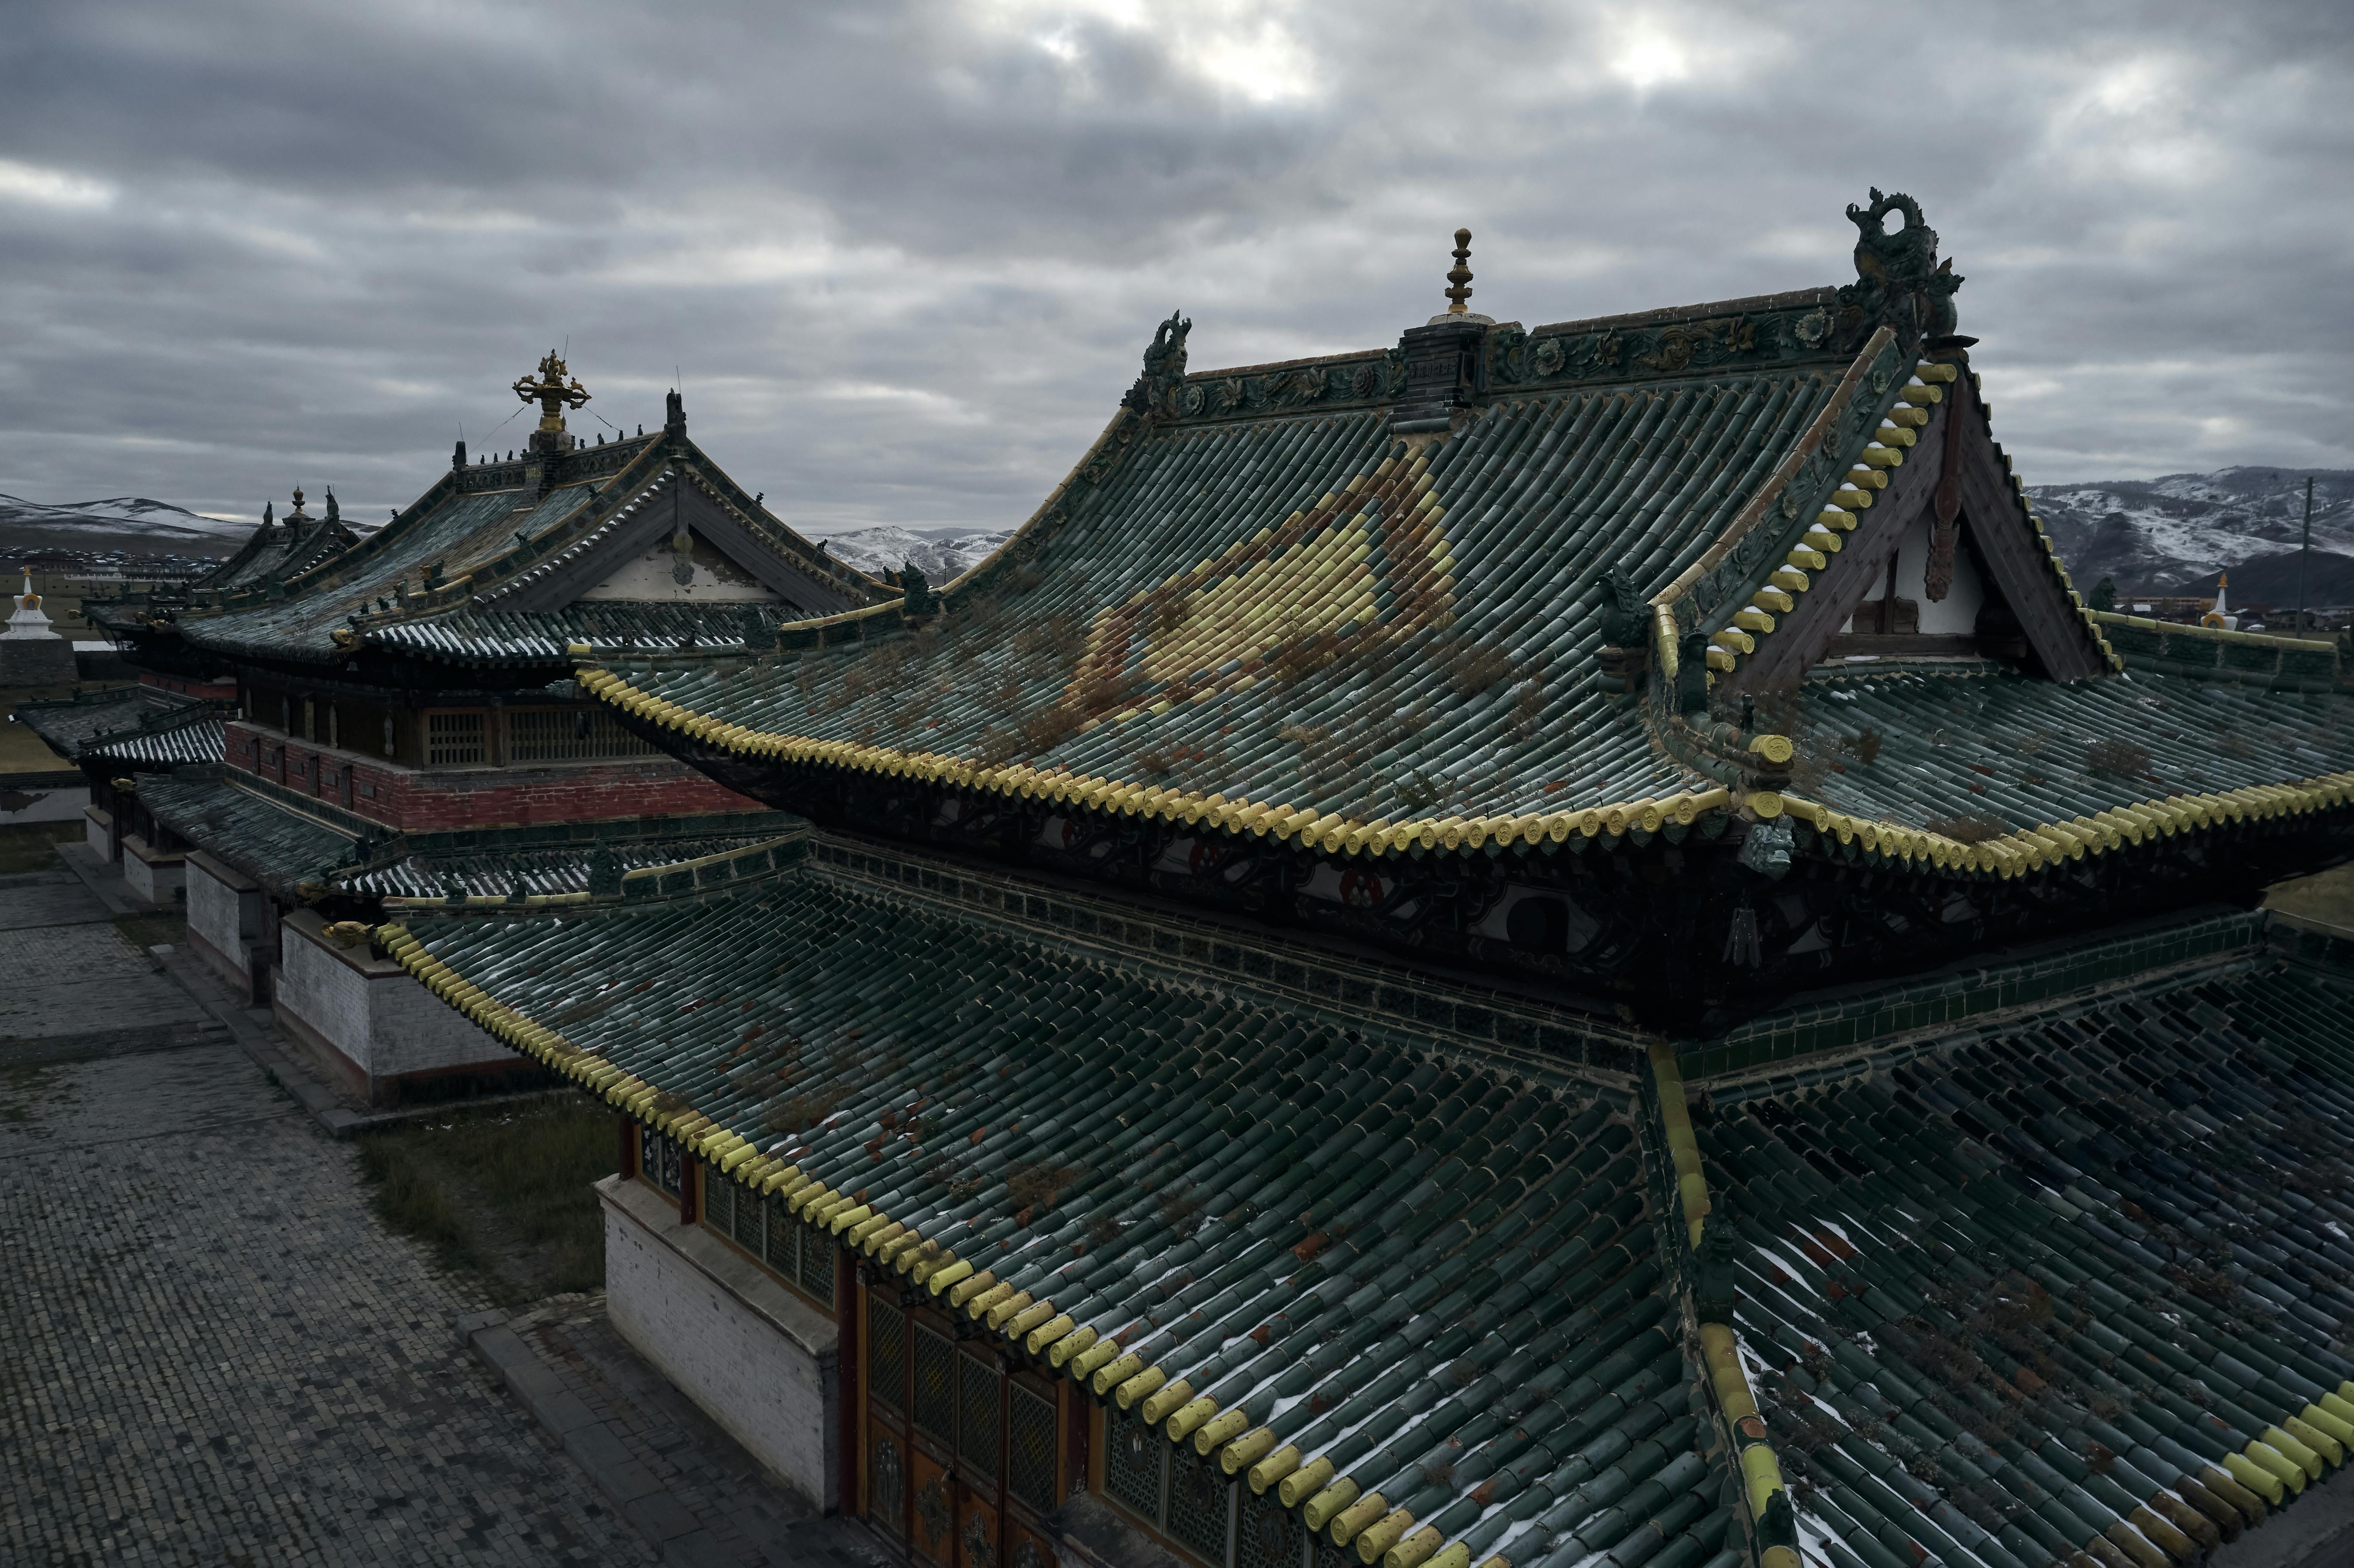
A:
211	1353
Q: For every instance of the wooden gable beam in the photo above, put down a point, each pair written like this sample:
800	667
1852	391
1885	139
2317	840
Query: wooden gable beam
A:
2012	558
1801	638
1956	476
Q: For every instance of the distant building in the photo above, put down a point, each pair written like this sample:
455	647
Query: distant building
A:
405	723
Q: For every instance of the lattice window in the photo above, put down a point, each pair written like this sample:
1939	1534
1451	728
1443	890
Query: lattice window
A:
886	1354
1267	1533
718	1202
568	734
886	1485
977	1405
935	1391
1135	1461
749	1207
454	739
1030	1448
783	1245
817	1263
658	1160
1201	1503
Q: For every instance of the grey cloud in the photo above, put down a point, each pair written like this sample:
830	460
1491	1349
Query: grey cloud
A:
905	258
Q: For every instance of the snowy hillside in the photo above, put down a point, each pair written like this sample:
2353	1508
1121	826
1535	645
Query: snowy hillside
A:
940	554
2175	533
122	516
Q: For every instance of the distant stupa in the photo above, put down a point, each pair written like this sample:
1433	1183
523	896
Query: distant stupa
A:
31	651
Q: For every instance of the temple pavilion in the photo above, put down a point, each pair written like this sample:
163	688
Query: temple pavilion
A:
1540	946
328	720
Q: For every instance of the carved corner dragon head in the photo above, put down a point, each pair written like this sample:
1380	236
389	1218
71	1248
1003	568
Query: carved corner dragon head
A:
1622	613
1898	275
1164	366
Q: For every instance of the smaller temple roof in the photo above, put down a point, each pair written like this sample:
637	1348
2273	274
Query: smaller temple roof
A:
253	826
142	725
515	637
492	563
281	550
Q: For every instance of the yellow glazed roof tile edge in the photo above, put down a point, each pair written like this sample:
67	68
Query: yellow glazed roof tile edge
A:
2025	848
1037	1326
2214	633
1761	1468
1332	834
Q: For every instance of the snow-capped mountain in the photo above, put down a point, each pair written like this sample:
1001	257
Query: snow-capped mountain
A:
942	554
71	523
2175	534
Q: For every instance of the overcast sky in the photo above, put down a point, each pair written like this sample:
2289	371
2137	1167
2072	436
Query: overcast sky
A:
904	257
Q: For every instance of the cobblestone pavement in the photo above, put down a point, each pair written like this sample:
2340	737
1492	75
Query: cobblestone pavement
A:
213	1353
752	1518
76	987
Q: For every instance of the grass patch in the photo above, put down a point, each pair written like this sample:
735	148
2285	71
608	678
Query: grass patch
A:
501	1192
2325	899
32	846
143	931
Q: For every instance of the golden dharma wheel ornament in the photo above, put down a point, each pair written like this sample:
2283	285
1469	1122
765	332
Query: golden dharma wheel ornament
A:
554	390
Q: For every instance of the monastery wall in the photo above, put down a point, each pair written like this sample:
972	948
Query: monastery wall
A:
760	1361
224	915
432	800
370	1019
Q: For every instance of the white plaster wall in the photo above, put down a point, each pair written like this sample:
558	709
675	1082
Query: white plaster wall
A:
775	1393
213	916
1956	614
97	829
387	1023
157	881
713	577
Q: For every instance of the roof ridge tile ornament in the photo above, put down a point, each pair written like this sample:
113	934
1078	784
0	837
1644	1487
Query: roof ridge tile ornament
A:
1899	282
1164	369
1458	278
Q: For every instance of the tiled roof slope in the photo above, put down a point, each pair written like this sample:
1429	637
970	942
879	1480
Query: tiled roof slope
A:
1385	1288
2082	1286
202	739
280	550
244	824
458	532
71	724
479	547
2026	768
523	637
144	725
2070	1284
1304	615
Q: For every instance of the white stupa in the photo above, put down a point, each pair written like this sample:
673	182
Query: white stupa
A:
2221	617
31	651
29	621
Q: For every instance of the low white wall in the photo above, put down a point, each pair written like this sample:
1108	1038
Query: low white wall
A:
370	1011
98	831
759	1361
224	915
156	876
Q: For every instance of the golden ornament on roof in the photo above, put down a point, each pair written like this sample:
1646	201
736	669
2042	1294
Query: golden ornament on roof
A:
554	391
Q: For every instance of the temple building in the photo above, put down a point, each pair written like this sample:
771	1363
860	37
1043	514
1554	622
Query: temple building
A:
1536	948
329	720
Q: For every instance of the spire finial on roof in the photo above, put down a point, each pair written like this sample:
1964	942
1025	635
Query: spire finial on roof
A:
1461	277
298	507
556	390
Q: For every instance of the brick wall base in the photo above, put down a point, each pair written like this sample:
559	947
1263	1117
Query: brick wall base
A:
440	800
